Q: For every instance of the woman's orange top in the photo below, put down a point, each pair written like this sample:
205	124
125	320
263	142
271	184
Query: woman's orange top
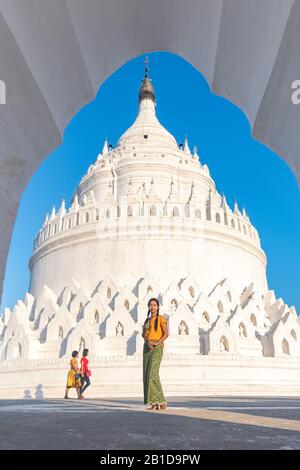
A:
74	364
153	335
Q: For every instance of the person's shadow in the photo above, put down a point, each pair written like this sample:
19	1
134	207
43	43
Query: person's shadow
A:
27	395
38	394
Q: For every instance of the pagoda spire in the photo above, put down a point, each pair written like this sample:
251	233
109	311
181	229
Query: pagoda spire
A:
146	90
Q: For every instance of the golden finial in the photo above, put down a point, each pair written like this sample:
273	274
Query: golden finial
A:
146	89
147	66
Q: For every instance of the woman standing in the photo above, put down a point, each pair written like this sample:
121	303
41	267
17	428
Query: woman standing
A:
74	376
155	331
85	372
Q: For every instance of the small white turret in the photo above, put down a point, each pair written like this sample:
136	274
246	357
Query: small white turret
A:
105	148
186	148
75	203
195	154
46	220
224	202
53	214
236	208
62	209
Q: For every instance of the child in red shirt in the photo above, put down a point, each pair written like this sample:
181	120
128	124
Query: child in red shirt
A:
85	371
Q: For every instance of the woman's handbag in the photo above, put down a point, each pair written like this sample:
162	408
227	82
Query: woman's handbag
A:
88	373
77	376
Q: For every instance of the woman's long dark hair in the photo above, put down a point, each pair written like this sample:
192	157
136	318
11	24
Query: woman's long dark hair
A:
149	313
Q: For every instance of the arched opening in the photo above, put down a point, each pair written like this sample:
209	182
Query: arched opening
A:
77	218
149	290
82	217
232	223
218	218
198	214
187	210
20	350
129	211
96	318
205	316
293	334
192	291
183	329
223	344
108	293
220	307
69	223
175	212
173	305
242	330
87	217
253	319
107	214
119	329
60	333
81	345
153	210
126	304
245	230
229	296
285	347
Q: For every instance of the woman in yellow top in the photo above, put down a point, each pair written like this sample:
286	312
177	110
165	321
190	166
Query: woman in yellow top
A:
74	376
155	331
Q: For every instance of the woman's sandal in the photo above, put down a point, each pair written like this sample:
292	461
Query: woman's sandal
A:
153	407
163	406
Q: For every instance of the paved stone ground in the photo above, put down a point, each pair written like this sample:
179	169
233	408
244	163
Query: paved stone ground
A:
188	424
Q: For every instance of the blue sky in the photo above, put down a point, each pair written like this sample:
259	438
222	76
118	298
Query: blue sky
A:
241	167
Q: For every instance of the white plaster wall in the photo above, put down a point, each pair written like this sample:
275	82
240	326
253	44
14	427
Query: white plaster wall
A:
128	260
116	377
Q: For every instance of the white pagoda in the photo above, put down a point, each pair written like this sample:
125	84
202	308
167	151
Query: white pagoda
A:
147	221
